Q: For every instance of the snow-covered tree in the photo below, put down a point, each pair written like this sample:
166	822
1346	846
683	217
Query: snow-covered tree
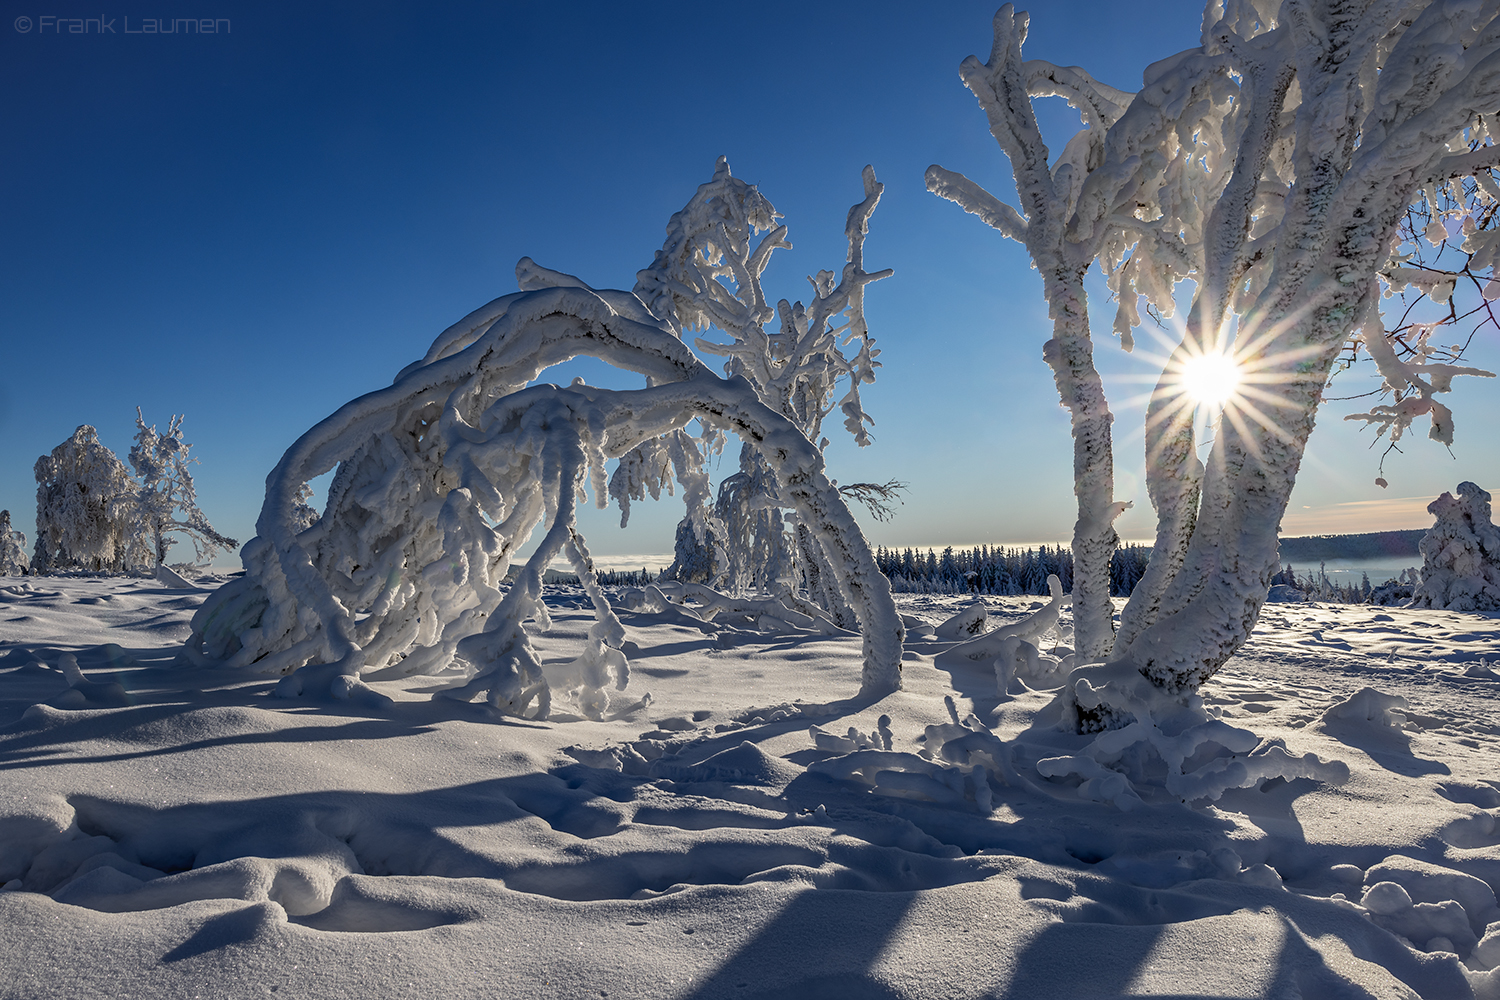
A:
811	363
85	509
1460	554
166	502
94	516
1273	165
13	561
443	475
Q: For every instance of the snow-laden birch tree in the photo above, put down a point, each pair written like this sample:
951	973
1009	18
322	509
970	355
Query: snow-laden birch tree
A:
1273	165
167	501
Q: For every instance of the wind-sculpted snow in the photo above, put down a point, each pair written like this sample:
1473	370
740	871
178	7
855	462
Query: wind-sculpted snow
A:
445	474
167	831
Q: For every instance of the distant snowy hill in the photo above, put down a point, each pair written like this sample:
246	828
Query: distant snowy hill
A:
1371	545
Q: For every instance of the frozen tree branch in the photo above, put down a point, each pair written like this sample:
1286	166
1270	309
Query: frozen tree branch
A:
976	201
880	499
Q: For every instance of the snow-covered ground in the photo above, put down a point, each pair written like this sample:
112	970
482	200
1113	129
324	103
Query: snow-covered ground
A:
167	831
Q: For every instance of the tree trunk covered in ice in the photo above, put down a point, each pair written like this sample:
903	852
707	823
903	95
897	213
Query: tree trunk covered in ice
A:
1004	87
1070	352
1273	165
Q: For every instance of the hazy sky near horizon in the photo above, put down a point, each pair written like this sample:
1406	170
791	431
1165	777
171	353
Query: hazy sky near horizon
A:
254	226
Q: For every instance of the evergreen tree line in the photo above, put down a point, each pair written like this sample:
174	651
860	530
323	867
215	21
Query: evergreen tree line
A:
607	578
1318	587
625	578
986	570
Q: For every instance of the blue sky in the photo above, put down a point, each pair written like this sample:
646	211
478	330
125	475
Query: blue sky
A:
255	226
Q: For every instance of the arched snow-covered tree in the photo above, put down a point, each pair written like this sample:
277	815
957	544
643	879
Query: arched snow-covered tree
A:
166	502
13	561
813	362
85	507
1460	554
442	476
1274	164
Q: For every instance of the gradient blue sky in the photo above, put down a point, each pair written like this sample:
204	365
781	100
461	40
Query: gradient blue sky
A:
254	227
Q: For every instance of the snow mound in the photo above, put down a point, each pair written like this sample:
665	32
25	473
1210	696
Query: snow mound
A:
84	693
1370	705
745	764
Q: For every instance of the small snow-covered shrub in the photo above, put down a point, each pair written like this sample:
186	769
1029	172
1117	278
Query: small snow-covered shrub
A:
1396	593
13	561
443	475
85	506
1460	554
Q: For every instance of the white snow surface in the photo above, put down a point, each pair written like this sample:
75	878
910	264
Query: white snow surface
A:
169	830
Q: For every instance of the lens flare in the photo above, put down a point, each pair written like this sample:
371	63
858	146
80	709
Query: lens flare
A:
1210	378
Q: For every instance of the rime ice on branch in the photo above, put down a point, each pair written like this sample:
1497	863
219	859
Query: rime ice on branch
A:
708	275
445	474
1273	164
1460	554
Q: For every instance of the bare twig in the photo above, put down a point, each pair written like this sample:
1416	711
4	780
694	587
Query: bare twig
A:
880	499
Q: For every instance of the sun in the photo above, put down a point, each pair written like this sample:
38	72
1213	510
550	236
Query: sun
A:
1212	379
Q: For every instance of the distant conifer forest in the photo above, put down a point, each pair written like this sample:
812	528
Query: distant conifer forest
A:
1003	571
